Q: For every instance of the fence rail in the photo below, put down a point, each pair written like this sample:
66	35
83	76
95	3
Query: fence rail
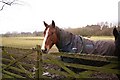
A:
12	67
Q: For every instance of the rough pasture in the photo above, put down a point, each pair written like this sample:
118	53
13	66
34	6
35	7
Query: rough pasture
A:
30	42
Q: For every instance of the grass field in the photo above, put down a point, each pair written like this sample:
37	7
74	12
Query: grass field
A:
102	38
30	42
23	42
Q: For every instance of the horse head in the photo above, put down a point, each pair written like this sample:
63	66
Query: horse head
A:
50	37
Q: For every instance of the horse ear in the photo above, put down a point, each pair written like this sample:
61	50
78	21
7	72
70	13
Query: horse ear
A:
46	25
53	23
115	32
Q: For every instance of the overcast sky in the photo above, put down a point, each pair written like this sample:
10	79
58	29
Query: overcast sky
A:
66	13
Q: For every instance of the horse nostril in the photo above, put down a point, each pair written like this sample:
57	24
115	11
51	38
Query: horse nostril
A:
44	51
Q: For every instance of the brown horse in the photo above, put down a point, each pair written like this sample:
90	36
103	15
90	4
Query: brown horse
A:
68	42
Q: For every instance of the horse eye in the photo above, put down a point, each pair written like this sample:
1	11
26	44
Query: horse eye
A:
52	33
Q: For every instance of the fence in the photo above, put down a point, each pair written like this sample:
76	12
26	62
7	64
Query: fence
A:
89	63
13	68
109	64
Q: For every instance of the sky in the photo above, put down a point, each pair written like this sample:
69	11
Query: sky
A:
28	15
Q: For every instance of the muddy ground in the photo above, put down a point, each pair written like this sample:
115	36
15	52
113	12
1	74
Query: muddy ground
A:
31	59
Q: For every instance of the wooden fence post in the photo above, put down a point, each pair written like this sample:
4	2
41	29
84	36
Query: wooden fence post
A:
39	71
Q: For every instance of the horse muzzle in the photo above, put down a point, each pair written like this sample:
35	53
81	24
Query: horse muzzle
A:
45	51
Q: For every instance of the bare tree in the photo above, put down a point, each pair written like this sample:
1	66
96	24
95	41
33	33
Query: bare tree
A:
7	2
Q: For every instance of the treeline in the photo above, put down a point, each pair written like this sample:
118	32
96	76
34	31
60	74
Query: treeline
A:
23	34
89	30
92	30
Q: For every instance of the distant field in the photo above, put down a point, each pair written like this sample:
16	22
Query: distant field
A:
23	42
30	42
102	38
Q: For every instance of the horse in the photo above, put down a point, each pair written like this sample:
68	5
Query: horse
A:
116	34
68	42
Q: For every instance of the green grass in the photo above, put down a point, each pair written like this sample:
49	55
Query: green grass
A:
23	42
102	38
30	42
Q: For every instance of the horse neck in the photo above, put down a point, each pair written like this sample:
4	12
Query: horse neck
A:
64	37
